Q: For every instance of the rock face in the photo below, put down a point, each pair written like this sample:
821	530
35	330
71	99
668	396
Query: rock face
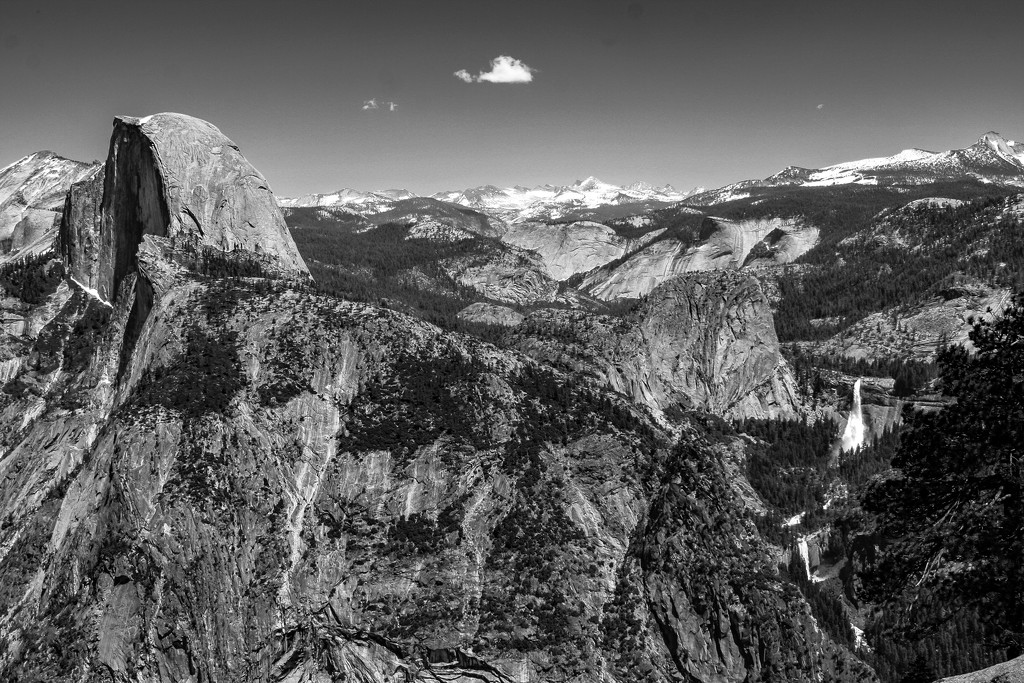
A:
727	245
508	275
32	192
179	180
570	248
231	479
702	341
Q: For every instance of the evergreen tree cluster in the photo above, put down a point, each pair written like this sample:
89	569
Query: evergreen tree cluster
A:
825	603
956	646
788	464
910	375
32	278
382	266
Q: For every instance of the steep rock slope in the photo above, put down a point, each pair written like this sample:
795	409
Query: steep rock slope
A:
210	478
699	341
32	192
722	245
570	248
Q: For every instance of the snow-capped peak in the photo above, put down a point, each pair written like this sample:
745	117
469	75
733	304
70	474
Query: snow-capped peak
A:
40	179
541	202
1007	149
364	202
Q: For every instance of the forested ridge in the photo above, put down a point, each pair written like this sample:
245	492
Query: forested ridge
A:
905	257
380	265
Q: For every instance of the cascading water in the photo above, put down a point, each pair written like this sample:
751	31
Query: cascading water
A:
853	435
805	554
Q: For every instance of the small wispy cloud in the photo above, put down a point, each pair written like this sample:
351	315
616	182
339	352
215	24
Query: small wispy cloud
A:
821	106
504	69
370	105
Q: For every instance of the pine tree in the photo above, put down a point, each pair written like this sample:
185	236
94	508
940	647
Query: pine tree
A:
951	514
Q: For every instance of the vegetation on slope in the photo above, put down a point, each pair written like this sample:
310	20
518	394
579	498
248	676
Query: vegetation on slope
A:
951	513
907	258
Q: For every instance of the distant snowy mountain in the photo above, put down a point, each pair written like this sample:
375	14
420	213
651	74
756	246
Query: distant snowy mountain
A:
555	202
991	160
360	202
513	204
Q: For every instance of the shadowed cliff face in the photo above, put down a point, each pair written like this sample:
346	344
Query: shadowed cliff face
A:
231	479
134	205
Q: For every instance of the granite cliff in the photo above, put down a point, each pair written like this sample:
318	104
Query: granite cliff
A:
32	192
211	473
702	341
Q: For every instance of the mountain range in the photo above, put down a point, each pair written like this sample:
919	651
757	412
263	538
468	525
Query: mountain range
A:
588	198
991	160
583	432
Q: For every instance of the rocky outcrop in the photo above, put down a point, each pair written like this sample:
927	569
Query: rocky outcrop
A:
507	274
491	314
723	245
919	331
179	182
702	341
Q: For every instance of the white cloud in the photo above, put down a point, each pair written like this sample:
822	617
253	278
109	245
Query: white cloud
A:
504	69
369	104
821	106
392	106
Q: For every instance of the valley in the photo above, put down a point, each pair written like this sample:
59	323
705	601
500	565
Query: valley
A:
581	432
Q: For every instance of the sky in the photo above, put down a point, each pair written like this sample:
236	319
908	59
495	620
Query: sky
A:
661	91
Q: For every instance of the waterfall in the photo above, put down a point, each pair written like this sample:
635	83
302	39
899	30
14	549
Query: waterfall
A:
853	435
805	554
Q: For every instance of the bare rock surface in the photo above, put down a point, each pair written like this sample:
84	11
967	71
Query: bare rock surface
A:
728	245
705	340
32	192
491	314
570	248
509	275
1006	672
